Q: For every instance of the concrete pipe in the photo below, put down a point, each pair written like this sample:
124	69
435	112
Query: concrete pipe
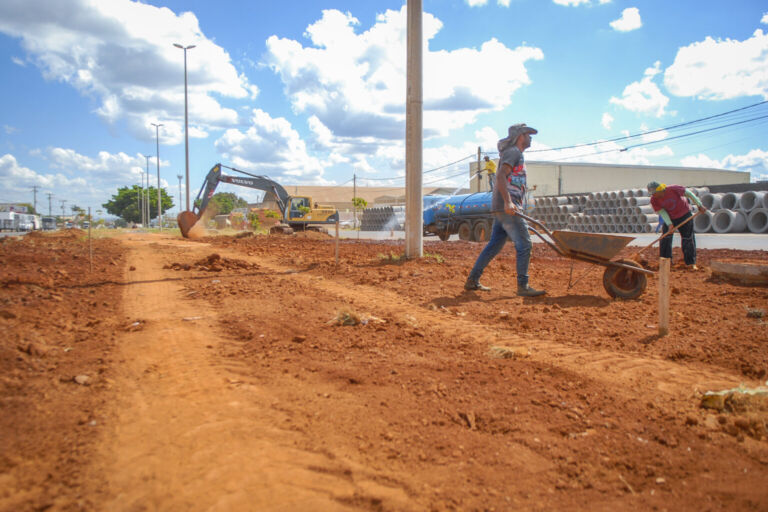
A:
623	193
613	194
646	208
765	201
711	201
624	202
648	228
699	191
703	223
751	200
730	201
639	201
757	222
648	218
729	221
559	200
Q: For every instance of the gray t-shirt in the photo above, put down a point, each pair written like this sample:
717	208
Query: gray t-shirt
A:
515	179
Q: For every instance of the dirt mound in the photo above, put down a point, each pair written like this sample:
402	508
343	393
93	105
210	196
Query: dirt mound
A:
57	328
213	263
313	235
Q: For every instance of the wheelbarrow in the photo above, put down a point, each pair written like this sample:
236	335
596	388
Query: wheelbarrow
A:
623	278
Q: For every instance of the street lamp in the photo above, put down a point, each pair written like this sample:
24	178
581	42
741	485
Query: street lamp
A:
186	117
139	197
159	204
179	176
146	201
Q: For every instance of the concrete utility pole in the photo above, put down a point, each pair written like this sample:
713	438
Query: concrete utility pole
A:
414	222
159	203
139	197
479	176
49	203
63	202
354	195
186	117
34	193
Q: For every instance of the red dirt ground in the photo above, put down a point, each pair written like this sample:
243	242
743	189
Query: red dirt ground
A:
252	373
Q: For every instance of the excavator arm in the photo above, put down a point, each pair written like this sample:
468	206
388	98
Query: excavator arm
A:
188	219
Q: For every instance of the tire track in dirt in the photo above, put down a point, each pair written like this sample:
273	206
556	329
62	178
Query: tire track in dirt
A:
629	374
188	433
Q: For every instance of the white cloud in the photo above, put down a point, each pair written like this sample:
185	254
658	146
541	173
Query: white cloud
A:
755	161
480	3
630	20
9	130
270	146
572	3
653	135
764	19
607	120
351	82
644	96
120	52
721	69
77	178
19	62
19	179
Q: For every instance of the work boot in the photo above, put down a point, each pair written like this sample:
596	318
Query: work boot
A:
527	291
473	285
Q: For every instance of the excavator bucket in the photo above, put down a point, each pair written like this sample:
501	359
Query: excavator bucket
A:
186	220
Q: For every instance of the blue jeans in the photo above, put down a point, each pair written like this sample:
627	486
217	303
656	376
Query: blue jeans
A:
688	241
516	229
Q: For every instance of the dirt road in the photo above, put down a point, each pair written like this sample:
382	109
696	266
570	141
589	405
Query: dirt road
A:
254	374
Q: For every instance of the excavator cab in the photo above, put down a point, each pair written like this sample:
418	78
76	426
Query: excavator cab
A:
299	209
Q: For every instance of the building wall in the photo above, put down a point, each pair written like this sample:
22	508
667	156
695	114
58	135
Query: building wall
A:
557	178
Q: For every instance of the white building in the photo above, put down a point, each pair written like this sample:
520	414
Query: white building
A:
560	178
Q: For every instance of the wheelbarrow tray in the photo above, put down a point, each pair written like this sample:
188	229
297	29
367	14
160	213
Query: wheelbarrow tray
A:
603	247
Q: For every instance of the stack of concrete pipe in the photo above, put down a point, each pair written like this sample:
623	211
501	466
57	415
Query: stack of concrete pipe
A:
617	211
734	212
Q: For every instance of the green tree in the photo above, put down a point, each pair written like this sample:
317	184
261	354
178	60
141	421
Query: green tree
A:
125	204
225	202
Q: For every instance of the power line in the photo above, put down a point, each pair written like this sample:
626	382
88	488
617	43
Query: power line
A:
644	134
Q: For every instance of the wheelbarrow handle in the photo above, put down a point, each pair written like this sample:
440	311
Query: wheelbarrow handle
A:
530	220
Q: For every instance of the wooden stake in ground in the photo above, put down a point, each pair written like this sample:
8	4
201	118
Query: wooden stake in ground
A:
90	243
337	243
664	264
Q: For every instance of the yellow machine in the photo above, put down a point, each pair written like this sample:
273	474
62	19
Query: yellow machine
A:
297	212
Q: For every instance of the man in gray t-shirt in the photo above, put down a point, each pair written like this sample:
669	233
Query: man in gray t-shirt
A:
508	199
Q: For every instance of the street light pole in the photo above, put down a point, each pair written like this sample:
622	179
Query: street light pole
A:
159	204
146	201
186	116
179	176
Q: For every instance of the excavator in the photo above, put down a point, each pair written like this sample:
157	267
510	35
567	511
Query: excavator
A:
297	212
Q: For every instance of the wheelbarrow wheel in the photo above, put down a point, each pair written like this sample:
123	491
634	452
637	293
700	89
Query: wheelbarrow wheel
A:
623	283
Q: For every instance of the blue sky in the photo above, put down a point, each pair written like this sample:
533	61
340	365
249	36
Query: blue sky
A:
312	92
